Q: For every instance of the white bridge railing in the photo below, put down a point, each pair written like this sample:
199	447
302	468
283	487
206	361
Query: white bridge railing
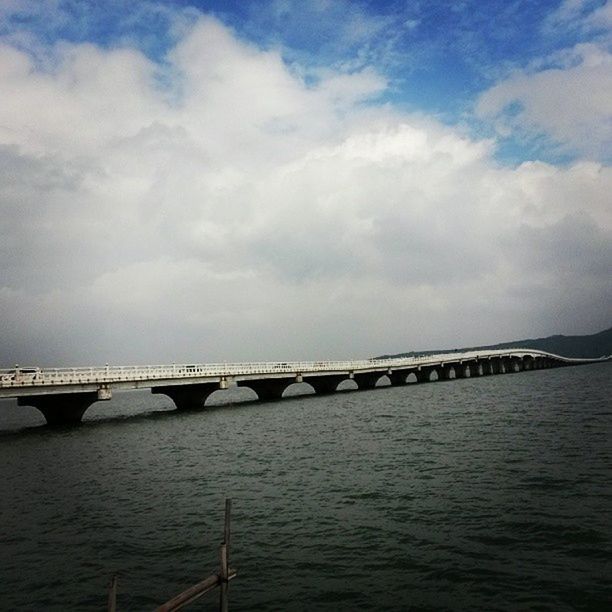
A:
34	376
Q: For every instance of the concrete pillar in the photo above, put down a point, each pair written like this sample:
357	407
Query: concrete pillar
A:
444	372
398	377
188	397
459	370
62	408
423	374
367	380
268	388
496	365
324	384
474	368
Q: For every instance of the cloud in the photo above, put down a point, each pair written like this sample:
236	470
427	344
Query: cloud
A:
570	104
215	205
583	15
560	100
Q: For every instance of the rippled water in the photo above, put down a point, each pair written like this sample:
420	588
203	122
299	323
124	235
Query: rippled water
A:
492	493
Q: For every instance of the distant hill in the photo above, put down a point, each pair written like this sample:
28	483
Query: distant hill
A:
595	345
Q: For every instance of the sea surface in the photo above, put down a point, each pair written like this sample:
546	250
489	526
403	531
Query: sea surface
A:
491	493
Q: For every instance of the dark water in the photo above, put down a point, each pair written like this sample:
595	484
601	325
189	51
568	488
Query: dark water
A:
490	494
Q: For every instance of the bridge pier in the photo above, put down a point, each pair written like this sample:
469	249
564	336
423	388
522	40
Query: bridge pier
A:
268	388
473	368
367	380
444	372
188	397
324	385
423	374
459	370
62	409
399	377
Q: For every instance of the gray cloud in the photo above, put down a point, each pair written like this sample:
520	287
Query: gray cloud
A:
240	213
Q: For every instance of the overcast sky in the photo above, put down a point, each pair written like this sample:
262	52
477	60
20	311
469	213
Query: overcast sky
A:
224	181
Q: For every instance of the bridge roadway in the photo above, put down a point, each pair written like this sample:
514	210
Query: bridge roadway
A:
64	394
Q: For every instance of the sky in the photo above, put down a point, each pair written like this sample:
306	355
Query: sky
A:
315	179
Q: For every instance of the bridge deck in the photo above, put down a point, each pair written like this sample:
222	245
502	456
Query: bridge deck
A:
63	394
14	381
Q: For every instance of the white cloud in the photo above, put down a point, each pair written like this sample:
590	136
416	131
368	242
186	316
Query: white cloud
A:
238	212
571	104
585	15
602	17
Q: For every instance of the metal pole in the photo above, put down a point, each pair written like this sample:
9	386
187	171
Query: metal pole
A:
226	528
224	559
112	594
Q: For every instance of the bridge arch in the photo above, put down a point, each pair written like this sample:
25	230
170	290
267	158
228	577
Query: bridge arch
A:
383	381
348	384
296	389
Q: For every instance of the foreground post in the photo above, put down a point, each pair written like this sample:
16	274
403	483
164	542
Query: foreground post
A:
208	584
112	594
224	559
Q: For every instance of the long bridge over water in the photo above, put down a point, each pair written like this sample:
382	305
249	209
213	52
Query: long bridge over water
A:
64	394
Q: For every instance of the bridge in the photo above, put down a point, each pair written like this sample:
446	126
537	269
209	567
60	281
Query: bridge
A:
64	394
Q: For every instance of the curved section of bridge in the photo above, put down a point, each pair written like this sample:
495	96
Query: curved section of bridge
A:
64	394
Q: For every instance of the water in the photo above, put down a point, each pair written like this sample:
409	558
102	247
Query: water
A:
492	494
